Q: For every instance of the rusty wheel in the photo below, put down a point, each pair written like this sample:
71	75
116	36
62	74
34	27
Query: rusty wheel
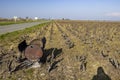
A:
36	42
33	52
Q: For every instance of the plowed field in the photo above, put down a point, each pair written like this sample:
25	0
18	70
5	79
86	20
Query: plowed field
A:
83	50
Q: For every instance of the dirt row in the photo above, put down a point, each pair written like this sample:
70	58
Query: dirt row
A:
75	50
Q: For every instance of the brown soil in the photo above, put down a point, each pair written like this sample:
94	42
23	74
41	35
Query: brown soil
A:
82	50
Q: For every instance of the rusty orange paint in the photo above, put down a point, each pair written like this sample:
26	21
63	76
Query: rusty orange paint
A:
33	52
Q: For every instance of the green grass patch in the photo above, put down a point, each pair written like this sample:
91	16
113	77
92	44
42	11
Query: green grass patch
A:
6	38
3	23
12	22
6	23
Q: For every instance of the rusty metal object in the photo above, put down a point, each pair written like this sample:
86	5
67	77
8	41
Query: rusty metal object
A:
36	42
33	52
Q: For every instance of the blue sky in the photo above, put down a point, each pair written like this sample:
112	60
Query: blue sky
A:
72	9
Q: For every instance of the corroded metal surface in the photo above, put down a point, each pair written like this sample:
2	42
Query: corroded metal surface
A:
36	42
33	52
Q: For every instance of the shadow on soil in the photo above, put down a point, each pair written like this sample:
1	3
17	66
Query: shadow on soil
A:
22	46
101	75
49	56
54	65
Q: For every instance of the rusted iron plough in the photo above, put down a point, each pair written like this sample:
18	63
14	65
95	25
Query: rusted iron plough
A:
32	54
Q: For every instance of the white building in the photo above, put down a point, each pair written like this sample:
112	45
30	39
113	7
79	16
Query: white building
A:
36	18
15	18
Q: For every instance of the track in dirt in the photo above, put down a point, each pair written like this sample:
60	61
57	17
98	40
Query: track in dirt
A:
80	49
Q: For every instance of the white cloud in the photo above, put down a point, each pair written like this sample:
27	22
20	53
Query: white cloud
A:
114	14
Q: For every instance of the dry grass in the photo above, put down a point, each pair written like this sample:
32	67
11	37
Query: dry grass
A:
94	44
